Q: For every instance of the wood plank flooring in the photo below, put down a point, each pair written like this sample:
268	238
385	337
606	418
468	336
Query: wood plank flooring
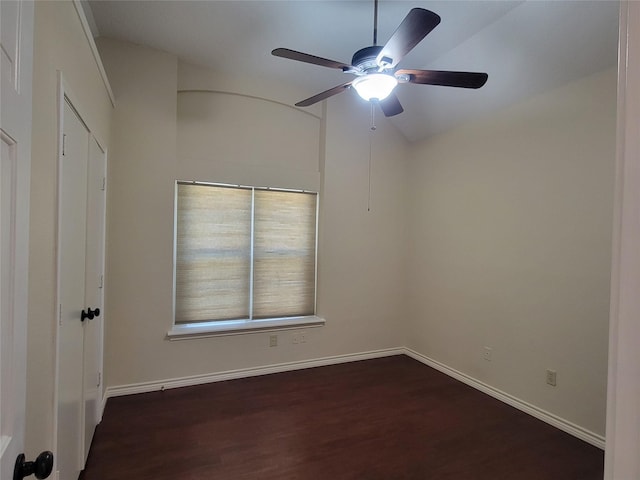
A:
383	419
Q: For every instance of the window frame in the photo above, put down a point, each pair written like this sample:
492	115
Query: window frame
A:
212	328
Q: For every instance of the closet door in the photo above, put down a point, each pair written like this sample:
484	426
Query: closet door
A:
93	328
72	241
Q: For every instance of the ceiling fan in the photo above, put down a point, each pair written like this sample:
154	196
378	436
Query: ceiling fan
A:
376	66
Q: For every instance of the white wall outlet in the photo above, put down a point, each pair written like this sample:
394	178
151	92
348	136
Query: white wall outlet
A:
273	340
299	337
551	377
486	354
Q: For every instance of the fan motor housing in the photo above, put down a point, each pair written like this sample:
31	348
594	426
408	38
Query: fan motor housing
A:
365	58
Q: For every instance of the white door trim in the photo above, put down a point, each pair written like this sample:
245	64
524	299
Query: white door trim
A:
623	397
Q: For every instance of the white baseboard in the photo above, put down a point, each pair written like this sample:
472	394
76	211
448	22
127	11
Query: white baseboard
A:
118	391
551	419
560	423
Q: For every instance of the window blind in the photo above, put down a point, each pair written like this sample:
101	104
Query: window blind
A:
284	254
213	252
244	253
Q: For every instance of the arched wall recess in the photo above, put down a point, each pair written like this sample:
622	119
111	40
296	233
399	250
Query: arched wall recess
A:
235	138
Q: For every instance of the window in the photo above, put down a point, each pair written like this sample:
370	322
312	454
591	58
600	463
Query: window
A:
245	258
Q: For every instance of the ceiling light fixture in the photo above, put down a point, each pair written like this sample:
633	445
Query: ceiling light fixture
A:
375	86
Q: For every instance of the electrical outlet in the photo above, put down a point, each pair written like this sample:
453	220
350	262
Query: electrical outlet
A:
273	340
299	337
486	354
551	377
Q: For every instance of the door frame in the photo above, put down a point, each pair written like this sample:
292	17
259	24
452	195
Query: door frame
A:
65	93
623	395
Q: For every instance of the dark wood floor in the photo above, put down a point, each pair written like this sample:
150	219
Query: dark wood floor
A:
389	418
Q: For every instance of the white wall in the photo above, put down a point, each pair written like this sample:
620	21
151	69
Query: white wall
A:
360	265
510	248
59	44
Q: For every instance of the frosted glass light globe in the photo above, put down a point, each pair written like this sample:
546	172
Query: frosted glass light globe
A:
375	85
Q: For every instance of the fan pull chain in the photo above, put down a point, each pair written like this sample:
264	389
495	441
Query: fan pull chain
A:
373	116
371	130
369	193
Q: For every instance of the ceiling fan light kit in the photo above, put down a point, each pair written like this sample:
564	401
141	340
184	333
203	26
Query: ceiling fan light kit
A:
376	86
375	66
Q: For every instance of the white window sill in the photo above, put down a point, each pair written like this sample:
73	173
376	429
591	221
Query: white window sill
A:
238	327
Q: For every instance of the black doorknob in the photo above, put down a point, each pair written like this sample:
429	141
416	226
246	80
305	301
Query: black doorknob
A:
89	314
41	467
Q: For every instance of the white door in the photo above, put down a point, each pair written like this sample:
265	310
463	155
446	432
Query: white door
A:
16	53
72	211
94	288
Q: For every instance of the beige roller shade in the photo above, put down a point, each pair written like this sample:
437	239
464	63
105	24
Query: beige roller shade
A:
244	253
284	254
213	253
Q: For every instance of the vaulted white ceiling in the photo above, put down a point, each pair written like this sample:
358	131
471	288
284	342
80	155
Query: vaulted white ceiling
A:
525	47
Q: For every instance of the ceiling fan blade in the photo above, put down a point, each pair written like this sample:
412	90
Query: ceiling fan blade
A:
305	57
391	106
321	96
415	26
445	78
